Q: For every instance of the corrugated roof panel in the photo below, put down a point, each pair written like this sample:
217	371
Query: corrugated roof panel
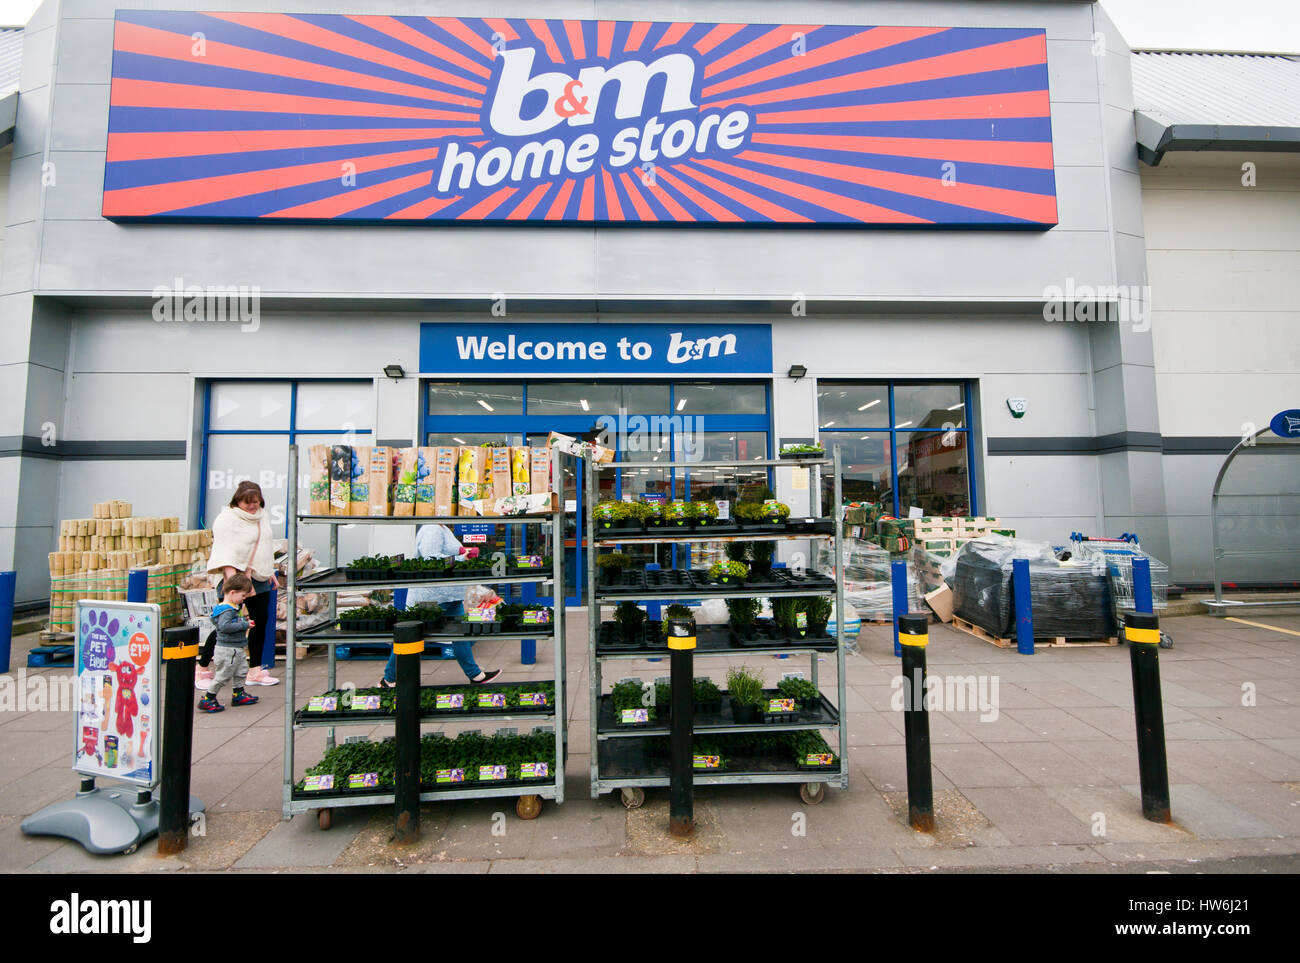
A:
11	57
1244	90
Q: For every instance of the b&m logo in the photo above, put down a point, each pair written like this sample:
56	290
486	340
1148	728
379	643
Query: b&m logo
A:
584	113
373	118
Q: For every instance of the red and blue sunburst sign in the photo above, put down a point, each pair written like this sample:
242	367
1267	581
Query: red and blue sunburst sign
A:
251	116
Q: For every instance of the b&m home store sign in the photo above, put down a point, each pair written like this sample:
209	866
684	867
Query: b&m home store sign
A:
252	116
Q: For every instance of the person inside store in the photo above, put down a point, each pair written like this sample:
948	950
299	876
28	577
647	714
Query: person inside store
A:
241	543
437	541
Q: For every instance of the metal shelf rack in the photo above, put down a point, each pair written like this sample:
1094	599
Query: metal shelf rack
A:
331	583
618	758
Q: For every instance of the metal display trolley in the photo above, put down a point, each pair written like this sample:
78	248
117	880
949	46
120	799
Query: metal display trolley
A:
619	758
332	580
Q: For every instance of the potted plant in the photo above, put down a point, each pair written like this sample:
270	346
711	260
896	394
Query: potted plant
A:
786	613
420	568
369	568
749	515
508	613
803	451
745	689
818	610
652	515
613	516
678	515
707	697
535	615
803	692
630	618
811	751
430	613
611	566
676	613
368	618
629	695
743	612
729	573
760	555
775	514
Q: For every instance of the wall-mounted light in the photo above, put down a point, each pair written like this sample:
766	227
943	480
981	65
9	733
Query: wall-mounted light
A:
394	371
797	371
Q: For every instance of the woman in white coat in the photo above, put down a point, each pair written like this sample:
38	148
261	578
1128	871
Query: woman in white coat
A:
241	542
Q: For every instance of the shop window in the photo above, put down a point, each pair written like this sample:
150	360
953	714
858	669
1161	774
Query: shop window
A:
933	472
861	406
573	398
250	406
475	398
724	398
906	444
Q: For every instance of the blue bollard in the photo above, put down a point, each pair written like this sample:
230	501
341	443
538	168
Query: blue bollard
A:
399	599
137	585
268	638
528	651
1142	601
8	584
1024	606
898	580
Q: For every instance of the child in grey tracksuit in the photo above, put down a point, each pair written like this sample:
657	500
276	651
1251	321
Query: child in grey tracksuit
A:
229	660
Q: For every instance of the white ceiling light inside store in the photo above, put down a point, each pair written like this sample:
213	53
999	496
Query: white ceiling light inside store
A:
585	406
459	441
681	404
960	404
485	405
903	425
868	405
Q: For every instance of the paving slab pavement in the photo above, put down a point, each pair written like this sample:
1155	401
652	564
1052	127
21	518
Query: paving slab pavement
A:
1020	789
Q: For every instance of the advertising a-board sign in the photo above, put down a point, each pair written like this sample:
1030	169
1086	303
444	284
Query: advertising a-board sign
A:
300	117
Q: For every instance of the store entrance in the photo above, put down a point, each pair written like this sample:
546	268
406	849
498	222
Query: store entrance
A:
656	428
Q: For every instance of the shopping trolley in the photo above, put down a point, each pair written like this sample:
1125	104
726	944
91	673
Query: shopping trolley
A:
1119	577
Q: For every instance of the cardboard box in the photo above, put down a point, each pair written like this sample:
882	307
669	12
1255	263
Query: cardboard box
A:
405	469
583	449
940	600
539	470
340	479
380	478
471	477
359	493
318	480
444	481
521	482
500	484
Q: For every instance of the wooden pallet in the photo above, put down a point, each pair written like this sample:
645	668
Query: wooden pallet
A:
63	637
1039	643
47	655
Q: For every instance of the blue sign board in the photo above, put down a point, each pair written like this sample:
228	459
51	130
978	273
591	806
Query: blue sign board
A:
594	348
1286	424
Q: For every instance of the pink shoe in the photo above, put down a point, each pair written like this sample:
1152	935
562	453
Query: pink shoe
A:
203	679
260	676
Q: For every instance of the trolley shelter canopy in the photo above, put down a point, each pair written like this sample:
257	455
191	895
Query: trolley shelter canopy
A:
227	116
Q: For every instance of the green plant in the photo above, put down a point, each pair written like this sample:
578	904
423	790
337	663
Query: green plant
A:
801	690
612	510
630	618
676	509
774	509
744	686
495	444
808	742
705	690
743	611
818	609
641	510
738	551
733	571
628	694
748	511
421	612
802	449
704	510
653	509
421	565
371	561
761	554
509	611
366	612
614	560
785	612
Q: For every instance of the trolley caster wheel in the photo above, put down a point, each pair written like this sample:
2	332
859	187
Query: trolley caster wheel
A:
1165	641
633	797
324	818
812	792
130	849
528	807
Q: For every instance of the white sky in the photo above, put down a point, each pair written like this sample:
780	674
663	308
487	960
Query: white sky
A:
1271	25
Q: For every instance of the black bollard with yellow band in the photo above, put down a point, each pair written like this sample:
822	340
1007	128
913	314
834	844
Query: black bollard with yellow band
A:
913	636
180	650
681	644
408	644
1142	631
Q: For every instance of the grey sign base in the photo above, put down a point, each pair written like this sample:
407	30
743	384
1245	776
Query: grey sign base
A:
104	821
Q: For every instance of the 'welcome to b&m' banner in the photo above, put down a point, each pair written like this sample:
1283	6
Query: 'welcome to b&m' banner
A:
237	116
